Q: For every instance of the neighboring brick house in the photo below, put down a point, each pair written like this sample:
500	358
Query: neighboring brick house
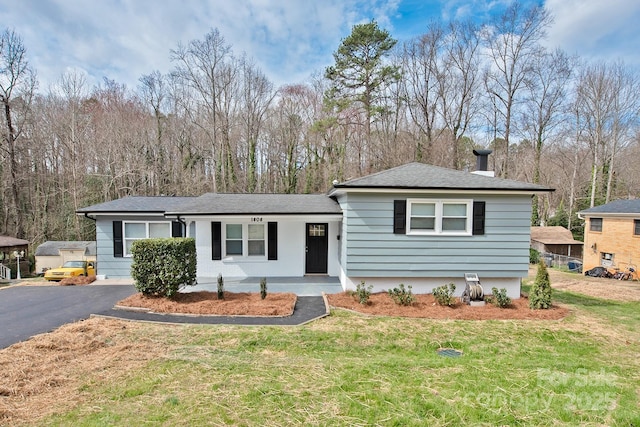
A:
612	235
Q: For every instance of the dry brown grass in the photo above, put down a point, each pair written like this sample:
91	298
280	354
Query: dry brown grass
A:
44	374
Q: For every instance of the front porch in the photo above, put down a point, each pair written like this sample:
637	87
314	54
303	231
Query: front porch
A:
302	286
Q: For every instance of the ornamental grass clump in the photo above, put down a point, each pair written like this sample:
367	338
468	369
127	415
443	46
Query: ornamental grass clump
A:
540	295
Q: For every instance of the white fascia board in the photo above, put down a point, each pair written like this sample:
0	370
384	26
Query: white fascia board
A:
264	218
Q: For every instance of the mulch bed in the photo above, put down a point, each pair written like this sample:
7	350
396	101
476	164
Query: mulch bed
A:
426	307
207	303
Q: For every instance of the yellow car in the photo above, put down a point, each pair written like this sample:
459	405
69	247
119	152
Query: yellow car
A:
71	269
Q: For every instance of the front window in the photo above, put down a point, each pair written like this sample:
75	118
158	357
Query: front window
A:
595	224
256	239
439	216
636	227
234	239
245	240
144	230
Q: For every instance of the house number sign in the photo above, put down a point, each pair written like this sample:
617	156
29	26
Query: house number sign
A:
256	219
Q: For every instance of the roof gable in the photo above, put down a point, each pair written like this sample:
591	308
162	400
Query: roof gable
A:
422	176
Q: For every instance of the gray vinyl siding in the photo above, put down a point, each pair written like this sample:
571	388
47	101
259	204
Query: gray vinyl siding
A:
372	250
109	265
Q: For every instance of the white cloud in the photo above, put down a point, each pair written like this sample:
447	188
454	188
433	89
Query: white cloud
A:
596	29
124	39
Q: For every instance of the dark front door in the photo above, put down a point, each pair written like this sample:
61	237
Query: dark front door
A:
317	248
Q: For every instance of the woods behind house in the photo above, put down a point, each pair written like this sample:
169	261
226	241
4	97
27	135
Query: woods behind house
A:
216	123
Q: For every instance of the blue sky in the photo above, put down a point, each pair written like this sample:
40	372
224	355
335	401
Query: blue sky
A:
288	39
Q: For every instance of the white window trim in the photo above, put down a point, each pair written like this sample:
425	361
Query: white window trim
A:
245	242
439	203
125	239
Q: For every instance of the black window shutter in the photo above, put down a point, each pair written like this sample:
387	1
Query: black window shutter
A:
176	229
272	240
216	240
400	217
117	239
478	218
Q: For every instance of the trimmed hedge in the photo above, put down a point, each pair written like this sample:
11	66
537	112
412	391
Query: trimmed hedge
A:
162	266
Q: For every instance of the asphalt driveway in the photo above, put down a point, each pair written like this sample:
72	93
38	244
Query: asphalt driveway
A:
30	310
26	311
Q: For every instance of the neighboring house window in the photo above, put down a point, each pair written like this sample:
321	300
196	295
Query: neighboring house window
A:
636	227
245	240
595	224
426	216
144	230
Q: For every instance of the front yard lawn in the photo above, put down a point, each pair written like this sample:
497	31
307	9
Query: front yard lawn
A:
344	370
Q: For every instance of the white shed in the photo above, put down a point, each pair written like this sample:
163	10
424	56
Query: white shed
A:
53	254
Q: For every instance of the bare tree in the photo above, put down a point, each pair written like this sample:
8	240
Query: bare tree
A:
545	107
459	84
421	86
512	42
608	105
17	87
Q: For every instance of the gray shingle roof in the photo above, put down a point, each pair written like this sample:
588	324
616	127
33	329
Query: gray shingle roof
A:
141	204
52	247
423	176
619	207
7	241
258	204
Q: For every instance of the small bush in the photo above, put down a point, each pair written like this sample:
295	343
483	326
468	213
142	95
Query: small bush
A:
534	256
540	294
363	293
220	286
263	288
161	267
500	298
402	295
444	294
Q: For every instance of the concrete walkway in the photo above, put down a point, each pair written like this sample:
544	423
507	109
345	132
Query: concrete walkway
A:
301	286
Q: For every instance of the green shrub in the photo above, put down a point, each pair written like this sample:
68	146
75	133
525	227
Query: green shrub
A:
534	256
161	267
444	294
220	286
363	293
263	288
500	298
540	294
402	295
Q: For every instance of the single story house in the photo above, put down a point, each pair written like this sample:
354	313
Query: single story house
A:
612	235
415	224
54	253
555	240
